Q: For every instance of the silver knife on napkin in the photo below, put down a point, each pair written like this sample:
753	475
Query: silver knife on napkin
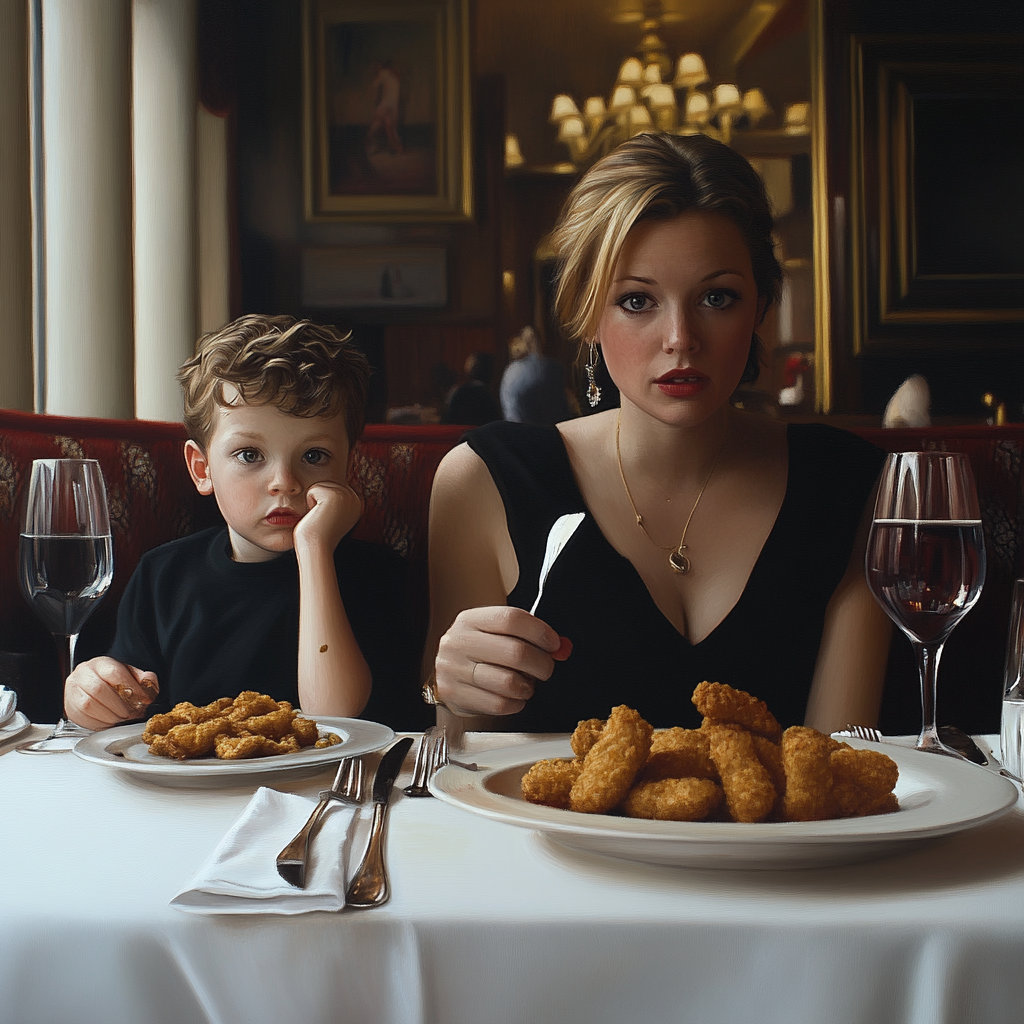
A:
369	886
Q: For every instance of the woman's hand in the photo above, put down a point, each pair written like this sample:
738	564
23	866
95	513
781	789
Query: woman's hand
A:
103	692
489	659
333	510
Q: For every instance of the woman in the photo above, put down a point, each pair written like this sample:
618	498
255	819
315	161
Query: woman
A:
716	544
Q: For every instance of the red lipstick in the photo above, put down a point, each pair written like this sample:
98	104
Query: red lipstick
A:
683	382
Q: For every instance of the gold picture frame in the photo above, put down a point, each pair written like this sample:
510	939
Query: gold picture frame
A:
386	109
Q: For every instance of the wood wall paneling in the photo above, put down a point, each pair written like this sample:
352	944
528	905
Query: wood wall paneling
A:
921	107
940	210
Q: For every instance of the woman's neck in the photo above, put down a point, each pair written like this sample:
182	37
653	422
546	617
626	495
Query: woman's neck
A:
669	453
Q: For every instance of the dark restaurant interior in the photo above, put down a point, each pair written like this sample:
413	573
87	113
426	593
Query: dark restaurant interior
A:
885	133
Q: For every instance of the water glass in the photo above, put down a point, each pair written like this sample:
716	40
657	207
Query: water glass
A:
1011	738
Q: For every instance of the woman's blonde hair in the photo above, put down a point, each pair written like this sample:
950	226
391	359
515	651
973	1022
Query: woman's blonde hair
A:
303	368
656	176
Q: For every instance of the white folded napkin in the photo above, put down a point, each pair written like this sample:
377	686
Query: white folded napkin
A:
8	705
240	876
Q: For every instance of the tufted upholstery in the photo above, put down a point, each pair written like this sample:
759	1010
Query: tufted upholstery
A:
152	501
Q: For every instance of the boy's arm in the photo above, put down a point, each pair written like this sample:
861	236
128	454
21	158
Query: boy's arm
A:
334	678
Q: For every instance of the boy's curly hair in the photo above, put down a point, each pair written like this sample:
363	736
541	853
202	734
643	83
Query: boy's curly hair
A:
303	368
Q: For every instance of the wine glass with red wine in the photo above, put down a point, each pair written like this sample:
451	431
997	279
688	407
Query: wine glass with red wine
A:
66	562
926	559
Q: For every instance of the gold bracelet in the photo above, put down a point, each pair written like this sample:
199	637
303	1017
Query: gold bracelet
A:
429	693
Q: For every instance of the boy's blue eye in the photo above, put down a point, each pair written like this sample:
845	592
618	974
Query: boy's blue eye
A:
316	456
248	456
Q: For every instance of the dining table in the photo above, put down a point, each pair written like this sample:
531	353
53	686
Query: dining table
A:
488	922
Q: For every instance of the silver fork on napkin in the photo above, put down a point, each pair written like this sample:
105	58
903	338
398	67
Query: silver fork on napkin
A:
346	788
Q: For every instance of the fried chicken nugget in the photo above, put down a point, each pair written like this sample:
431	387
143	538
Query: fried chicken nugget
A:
549	782
274	725
329	740
189	740
678	754
184	713
587	733
307	734
862	782
235	748
723	704
805	757
673	799
749	793
770	755
249	704
612	762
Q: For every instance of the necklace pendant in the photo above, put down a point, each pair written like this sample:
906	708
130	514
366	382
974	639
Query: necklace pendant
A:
679	563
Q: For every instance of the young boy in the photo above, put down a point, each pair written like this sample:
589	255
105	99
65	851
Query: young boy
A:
278	601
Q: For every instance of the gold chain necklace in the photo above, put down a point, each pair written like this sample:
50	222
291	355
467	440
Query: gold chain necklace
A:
677	561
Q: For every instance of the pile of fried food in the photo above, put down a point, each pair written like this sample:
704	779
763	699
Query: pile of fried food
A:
738	766
250	725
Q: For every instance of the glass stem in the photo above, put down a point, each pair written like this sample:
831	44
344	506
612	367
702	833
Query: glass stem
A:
928	656
66	657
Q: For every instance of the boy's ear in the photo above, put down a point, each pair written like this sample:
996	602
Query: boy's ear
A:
198	467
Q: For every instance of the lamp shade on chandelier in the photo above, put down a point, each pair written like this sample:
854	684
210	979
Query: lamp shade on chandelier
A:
653	93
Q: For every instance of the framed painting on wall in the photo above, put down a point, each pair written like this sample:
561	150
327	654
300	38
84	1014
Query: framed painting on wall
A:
386	107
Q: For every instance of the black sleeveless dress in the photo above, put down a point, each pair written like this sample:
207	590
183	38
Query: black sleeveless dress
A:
624	649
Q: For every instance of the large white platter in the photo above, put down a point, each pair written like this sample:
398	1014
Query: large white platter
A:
122	748
937	795
14	726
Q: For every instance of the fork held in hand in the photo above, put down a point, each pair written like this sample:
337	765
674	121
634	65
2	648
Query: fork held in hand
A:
348	788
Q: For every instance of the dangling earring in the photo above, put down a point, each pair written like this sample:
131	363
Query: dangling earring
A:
593	391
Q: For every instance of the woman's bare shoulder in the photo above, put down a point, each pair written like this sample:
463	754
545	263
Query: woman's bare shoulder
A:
584	432
464	491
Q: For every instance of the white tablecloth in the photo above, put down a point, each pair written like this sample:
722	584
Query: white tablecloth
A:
487	924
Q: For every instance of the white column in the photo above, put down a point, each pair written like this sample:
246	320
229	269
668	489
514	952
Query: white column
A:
214	236
164	103
87	184
15	210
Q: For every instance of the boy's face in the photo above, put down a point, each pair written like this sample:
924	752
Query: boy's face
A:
259	463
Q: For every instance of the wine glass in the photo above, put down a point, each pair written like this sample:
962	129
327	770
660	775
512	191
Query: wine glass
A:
66	562
926	559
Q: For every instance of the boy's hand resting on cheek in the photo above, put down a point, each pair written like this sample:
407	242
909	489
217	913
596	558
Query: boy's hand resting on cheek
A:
103	692
333	510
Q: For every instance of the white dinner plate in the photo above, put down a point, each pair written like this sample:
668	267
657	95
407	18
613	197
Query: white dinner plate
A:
14	727
938	796
122	747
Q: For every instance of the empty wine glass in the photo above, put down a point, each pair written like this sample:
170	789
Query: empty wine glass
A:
66	562
926	559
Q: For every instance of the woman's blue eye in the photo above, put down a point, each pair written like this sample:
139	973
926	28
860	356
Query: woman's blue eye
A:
720	299
248	456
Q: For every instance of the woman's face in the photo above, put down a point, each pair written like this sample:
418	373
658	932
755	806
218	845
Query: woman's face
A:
679	316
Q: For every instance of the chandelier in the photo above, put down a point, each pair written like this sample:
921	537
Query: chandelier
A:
651	93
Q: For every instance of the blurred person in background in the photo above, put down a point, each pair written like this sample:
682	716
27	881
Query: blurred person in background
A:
532	387
472	403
